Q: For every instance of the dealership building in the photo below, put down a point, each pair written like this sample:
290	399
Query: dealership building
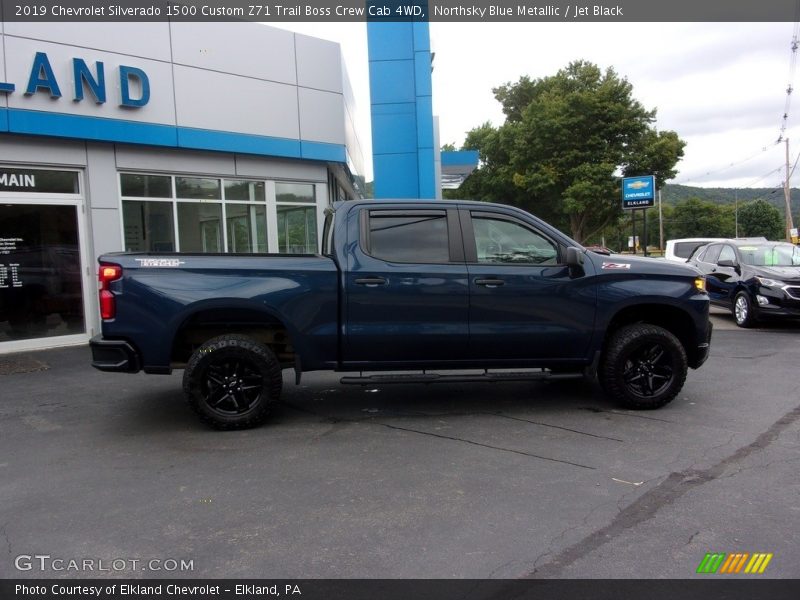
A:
158	137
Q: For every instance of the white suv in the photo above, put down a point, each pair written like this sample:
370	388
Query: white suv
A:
681	249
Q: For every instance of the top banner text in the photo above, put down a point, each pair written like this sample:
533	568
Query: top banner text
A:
399	11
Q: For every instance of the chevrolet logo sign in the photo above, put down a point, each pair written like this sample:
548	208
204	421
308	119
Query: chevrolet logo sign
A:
637	185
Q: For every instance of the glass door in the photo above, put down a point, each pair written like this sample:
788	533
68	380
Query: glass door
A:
42	283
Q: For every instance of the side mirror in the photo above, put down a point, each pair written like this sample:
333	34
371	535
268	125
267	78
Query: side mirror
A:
728	263
575	262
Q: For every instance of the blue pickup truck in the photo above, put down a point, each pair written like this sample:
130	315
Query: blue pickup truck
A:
402	289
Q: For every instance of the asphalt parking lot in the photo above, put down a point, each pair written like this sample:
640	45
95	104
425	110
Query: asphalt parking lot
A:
513	480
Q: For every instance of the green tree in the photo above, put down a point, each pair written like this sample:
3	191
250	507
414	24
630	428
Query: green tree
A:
700	218
727	220
564	143
759	218
493	180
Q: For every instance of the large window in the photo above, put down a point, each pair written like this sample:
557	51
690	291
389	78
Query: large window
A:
294	192
199	227
199	223
201	188
297	230
247	227
297	221
245	190
166	213
148	226
146	186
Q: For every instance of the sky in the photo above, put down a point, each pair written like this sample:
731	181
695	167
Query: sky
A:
720	86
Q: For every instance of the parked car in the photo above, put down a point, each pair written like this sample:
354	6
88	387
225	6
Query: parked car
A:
754	280
681	249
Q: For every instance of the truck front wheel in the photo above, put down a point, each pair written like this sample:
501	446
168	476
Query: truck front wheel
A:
644	366
232	382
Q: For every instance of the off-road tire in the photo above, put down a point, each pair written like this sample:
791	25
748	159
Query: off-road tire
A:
644	367
232	382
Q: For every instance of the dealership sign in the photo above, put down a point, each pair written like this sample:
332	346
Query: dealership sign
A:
134	85
638	192
40	181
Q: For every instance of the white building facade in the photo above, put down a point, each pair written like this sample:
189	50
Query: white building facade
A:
158	137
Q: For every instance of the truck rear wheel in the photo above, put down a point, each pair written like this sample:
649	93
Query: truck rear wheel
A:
232	382
644	366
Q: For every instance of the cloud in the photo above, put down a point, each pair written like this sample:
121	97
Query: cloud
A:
721	86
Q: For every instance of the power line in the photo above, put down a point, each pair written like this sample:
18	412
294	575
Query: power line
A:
790	86
769	192
794	166
726	167
755	181
794	46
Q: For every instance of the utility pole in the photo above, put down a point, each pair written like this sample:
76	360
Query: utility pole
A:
660	225
644	236
787	197
736	211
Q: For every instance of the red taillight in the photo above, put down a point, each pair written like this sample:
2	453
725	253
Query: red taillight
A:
106	275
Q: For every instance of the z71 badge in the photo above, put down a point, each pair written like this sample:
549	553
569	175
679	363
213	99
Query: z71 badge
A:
160	262
613	265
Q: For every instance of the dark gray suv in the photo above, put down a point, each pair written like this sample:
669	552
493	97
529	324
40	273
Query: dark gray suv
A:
754	279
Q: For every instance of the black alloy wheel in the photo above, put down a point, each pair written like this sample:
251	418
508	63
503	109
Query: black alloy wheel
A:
232	386
649	372
643	366
232	382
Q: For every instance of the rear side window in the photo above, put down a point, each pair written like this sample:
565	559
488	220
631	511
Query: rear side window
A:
685	249
419	237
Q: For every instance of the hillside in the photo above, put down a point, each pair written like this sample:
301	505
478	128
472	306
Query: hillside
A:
672	194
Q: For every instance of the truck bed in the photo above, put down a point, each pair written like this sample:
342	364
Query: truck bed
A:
162	294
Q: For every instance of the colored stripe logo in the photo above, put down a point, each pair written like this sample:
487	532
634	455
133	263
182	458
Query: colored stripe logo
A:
735	563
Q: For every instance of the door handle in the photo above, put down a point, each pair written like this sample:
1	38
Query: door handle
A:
489	282
371	281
